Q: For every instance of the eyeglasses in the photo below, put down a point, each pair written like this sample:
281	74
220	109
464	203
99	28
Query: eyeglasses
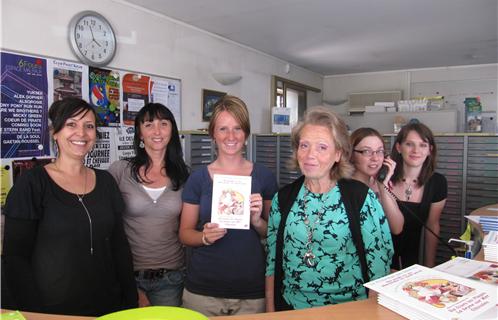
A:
370	153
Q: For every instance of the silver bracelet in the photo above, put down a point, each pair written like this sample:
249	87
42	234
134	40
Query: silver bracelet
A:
205	241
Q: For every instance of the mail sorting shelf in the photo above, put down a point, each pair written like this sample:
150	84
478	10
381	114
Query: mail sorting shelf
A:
450	163
482	172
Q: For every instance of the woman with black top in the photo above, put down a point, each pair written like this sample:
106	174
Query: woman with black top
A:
64	248
421	195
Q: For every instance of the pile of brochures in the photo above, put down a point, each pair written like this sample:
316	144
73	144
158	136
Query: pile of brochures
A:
421	293
490	244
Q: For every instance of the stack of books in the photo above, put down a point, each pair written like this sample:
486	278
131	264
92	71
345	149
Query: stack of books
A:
418	292
490	244
489	223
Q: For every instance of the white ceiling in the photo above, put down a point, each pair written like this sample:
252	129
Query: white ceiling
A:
350	36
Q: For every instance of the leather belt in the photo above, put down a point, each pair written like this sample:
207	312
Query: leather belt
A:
151	274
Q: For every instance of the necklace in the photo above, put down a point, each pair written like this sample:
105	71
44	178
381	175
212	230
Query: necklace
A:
80	199
309	256
408	189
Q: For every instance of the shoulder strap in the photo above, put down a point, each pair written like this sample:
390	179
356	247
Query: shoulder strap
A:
353	194
286	197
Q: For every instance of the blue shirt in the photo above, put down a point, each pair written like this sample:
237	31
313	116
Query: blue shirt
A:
234	266
336	277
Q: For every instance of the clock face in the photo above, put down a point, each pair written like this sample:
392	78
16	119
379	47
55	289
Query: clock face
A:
92	38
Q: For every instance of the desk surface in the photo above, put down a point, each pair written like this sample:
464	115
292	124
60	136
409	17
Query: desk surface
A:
365	309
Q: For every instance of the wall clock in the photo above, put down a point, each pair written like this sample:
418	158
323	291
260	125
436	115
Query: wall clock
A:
92	38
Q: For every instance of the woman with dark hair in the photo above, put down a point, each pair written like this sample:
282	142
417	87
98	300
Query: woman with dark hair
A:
368	157
64	248
151	183
421	192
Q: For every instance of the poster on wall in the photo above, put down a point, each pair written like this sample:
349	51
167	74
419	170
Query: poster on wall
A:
104	151
135	95
24	106
66	79
5	181
167	93
104	93
124	143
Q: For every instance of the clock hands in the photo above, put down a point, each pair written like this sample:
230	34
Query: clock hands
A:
93	37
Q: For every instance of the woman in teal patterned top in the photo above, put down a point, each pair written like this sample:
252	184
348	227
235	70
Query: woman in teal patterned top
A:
320	261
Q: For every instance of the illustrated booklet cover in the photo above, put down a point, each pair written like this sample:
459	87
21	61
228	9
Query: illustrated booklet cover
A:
477	270
231	201
418	292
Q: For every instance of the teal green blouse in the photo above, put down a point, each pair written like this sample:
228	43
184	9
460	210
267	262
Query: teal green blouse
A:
336	276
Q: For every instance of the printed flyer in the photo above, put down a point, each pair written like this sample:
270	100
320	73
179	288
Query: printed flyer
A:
230	206
104	92
167	93
5	180
66	79
24	107
135	95
103	153
124	143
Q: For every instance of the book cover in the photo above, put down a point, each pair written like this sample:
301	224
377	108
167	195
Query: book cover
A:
230	206
418	292
486	272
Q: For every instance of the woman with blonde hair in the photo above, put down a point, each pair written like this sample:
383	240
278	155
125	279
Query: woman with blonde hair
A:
225	272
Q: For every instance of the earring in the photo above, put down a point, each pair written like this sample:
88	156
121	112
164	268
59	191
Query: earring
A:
141	144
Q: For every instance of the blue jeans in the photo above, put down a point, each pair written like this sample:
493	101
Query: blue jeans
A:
165	291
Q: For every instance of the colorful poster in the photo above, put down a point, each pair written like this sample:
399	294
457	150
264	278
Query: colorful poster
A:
24	106
5	181
66	79
104	151
167	93
135	95
124	143
104	94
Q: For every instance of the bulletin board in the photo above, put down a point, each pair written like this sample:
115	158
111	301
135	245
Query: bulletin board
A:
455	92
30	84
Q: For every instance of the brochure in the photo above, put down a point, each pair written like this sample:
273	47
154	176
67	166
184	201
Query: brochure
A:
472	269
230	206
418	292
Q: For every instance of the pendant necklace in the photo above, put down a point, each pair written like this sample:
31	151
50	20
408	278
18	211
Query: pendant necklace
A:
408	190
309	256
80	199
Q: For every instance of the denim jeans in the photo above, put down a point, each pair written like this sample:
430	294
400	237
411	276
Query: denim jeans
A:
165	291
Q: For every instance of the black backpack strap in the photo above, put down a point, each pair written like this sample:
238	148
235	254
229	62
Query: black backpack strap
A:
353	194
286	197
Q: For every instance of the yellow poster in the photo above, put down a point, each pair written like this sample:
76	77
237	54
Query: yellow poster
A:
5	181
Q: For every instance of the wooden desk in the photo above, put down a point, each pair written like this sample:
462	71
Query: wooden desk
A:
483	211
365	309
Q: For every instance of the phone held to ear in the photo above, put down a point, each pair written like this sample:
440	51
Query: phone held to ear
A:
381	175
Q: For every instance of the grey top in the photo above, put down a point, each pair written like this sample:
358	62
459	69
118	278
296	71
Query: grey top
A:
151	226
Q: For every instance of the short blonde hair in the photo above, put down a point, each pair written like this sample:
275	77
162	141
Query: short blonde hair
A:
321	116
237	108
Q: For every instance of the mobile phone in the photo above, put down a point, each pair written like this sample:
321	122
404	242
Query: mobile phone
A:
381	175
